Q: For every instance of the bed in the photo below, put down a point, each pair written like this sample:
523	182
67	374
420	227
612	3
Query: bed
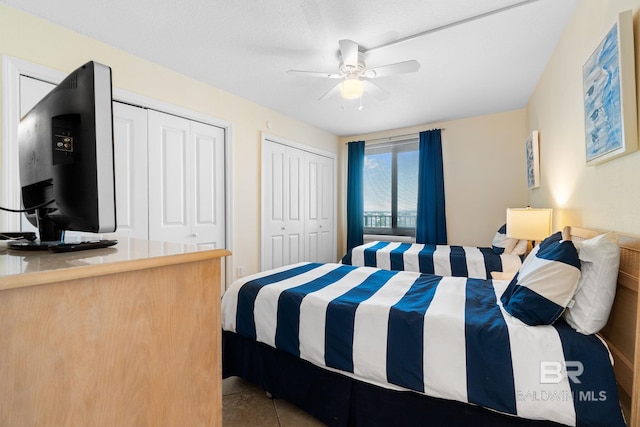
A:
504	256
361	372
443	260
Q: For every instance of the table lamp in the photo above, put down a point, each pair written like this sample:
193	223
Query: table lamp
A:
529	224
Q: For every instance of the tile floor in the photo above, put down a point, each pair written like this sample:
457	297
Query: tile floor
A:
245	405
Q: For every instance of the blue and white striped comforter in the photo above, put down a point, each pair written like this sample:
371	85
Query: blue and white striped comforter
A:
446	337
443	260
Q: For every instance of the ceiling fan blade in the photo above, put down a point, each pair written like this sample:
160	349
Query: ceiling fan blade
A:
376	91
333	90
313	74
391	69
349	52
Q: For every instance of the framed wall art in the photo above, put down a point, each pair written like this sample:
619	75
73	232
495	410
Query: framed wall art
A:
533	160
610	95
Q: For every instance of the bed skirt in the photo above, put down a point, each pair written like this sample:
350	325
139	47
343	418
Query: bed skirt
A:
338	400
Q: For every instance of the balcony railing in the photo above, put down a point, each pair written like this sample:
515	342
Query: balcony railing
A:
405	220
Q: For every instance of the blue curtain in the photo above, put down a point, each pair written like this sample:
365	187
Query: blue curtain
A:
431	227
355	196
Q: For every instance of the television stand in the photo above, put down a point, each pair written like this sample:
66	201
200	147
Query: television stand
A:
126	336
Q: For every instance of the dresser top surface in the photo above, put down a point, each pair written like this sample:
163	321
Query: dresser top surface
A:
25	267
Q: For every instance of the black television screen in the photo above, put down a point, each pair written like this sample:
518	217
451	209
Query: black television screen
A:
65	146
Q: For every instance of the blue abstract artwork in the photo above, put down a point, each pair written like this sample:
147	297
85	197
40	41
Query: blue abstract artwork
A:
533	162
602	98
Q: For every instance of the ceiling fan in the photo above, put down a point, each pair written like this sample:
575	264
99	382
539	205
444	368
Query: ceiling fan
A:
356	76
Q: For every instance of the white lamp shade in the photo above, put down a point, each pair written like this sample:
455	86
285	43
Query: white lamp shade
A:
528	223
352	88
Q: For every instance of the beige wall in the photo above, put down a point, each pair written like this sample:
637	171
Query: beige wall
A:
606	196
484	172
26	37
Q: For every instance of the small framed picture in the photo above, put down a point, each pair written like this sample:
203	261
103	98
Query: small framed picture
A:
533	160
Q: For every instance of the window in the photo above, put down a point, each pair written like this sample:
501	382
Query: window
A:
390	181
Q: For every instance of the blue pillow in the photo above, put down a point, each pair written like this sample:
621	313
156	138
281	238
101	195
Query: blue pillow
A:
545	283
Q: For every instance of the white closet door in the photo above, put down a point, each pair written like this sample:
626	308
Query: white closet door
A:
208	203
170	182
186	181
130	163
319	198
327	210
282	205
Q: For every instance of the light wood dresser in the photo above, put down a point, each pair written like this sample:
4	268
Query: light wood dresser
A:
121	336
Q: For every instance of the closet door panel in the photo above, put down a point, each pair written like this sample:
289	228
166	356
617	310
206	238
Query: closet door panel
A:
293	199
169	183
311	202
312	190
294	221
130	163
173	152
275	180
208	177
296	248
273	206
277	249
205	206
319	229
312	246
326	211
327	196
282	209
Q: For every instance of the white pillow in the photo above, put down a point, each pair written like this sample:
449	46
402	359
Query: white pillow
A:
520	248
502	244
600	259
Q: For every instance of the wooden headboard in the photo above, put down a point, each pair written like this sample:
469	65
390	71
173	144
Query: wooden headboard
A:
621	331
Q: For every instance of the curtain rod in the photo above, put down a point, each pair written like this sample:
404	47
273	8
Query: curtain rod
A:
391	138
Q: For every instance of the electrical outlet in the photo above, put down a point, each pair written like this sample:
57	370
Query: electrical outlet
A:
239	271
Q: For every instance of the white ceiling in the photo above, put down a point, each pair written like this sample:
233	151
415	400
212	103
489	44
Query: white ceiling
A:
481	66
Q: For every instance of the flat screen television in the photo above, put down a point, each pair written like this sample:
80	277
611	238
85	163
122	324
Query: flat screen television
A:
66	158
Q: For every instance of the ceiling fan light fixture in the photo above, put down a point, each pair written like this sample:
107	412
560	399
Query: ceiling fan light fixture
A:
352	88
353	68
